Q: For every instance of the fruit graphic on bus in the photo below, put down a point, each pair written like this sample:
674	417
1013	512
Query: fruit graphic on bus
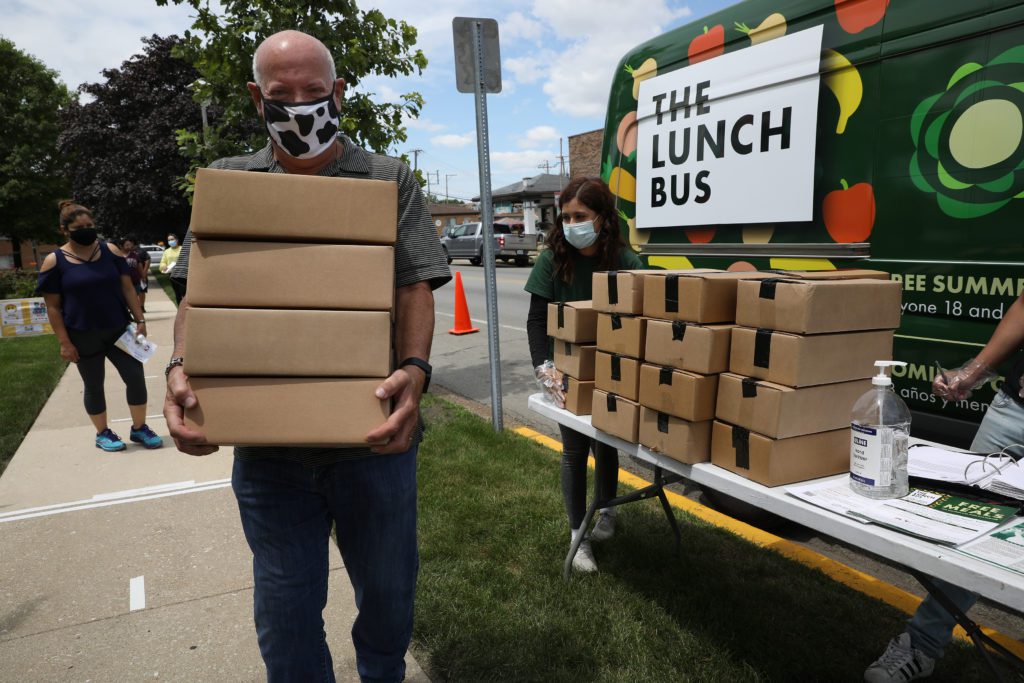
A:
709	44
856	15
849	213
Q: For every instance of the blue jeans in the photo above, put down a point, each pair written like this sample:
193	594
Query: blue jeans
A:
287	510
931	627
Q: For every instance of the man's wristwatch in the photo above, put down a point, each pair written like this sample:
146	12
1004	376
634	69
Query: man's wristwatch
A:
422	365
175	362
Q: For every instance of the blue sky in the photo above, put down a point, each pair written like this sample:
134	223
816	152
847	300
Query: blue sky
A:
558	58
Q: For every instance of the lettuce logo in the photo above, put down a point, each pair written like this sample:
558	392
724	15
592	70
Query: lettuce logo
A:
969	139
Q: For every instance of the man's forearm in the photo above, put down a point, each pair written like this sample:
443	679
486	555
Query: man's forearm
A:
1007	338
414	316
179	329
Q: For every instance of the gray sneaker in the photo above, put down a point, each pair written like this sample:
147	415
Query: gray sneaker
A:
604	528
584	559
901	662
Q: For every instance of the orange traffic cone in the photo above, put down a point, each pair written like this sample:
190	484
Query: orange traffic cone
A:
462	323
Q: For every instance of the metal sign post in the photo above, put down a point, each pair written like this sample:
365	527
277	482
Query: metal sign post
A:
478	71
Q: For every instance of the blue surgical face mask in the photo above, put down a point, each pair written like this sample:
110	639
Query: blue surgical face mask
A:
580	235
172	243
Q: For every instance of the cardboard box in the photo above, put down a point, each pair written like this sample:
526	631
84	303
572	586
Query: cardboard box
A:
266	411
575	360
578	395
572	321
619	291
780	412
621	334
774	462
802	361
617	374
682	440
809	305
281	275
695	296
288	207
261	342
688	346
683	394
616	416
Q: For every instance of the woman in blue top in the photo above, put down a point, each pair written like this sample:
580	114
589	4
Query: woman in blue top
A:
88	292
586	238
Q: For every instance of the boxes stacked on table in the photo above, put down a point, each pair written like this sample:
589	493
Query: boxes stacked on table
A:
802	354
689	329
573	325
291	291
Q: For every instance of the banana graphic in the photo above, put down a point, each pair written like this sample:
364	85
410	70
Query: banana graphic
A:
843	79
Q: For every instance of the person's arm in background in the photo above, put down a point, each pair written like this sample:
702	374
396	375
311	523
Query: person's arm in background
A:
128	289
1008	337
53	312
165	261
537	329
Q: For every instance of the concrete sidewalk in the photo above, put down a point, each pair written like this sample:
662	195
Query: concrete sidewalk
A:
123	566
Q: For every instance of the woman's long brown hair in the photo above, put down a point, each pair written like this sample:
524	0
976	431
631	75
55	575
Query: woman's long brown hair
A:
594	194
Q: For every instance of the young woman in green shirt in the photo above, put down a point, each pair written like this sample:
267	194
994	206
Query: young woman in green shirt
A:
586	238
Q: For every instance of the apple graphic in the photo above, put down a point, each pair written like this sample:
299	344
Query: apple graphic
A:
849	213
856	15
709	44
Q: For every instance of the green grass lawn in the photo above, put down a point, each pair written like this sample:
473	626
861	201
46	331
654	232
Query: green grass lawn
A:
165	282
29	370
492	605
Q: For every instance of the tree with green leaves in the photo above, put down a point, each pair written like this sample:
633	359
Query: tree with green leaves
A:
121	148
31	98
363	43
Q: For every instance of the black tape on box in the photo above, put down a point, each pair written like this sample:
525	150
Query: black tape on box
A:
762	348
613	286
616	367
613	405
768	288
616	321
568	348
678	330
565	382
561	314
672	293
663	422
665	376
749	387
741	444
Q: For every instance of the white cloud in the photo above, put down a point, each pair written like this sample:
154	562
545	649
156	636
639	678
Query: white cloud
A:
424	124
579	78
453	141
516	25
524	162
537	136
527	69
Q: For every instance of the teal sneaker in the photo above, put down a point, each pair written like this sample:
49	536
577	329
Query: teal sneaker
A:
146	436
109	441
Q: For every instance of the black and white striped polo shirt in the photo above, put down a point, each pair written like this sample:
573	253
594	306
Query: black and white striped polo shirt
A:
418	255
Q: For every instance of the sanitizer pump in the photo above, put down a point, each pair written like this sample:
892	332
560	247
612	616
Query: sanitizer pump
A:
879	435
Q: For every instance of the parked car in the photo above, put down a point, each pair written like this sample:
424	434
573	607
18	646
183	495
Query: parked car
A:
155	252
466	241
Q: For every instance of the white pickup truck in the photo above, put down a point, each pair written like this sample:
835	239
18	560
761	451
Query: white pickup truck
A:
466	241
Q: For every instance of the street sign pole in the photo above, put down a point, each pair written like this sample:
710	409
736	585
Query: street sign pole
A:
476	47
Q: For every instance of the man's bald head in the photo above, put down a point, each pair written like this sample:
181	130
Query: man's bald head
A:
287	50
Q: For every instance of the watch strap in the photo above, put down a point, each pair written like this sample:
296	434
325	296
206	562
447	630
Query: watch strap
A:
174	362
422	365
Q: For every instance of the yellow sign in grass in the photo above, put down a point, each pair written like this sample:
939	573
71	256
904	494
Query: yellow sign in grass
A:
23	318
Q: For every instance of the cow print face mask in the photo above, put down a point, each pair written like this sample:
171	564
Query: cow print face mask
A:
303	129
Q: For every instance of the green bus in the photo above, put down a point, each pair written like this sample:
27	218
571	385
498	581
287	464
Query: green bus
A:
918	166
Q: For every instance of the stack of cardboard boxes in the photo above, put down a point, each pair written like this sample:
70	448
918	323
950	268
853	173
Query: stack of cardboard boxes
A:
291	291
690	320
802	354
573	325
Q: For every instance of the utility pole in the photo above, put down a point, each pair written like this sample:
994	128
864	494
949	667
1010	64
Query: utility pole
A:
446	177
428	174
416	159
546	165
561	160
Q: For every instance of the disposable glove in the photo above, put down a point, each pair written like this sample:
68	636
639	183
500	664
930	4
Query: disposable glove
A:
956	385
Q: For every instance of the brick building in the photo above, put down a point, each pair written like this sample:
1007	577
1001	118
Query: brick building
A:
585	153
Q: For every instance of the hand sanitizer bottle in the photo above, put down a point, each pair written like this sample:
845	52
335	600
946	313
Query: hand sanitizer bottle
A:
880	430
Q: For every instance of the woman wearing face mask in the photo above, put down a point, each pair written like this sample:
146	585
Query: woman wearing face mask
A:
89	292
585	239
167	261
